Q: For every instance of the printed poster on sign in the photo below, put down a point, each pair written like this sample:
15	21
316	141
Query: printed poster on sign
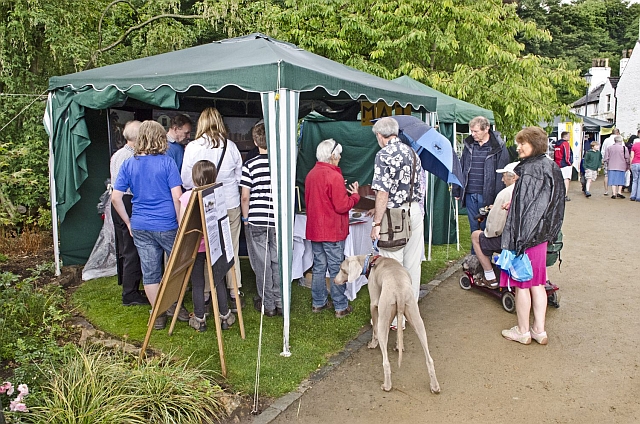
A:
211	220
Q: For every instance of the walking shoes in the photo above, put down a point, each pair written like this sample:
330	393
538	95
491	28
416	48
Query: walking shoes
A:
183	314
516	336
539	337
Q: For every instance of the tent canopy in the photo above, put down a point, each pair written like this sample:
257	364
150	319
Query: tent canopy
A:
254	63
250	70
589	124
449	109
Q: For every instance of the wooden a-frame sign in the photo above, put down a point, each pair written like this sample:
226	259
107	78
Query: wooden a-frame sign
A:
205	216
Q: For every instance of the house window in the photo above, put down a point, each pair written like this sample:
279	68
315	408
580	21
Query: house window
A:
608	102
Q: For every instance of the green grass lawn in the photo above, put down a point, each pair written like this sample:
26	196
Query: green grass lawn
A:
313	337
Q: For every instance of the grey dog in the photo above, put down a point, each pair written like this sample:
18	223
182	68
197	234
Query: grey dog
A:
391	294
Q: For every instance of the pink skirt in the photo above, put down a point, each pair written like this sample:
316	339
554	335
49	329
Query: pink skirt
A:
538	257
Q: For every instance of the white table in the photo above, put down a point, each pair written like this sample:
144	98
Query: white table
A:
358	242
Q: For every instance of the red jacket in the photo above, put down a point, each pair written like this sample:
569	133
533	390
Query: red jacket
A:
328	203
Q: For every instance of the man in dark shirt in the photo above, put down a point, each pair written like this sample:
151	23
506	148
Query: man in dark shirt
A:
483	153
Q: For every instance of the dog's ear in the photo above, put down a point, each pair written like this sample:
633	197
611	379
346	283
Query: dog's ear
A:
355	269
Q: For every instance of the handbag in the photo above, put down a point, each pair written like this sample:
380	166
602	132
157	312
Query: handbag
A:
395	226
517	266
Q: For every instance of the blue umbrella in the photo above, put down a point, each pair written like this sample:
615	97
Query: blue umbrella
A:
434	149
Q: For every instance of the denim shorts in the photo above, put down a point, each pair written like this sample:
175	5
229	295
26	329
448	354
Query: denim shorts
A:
151	245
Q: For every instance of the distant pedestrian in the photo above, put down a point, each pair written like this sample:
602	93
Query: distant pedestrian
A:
605	145
635	169
592	163
563	157
617	160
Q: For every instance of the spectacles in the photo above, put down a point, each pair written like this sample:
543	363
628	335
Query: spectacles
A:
334	147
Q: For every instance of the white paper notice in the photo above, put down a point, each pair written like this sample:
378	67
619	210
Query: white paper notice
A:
226	235
211	219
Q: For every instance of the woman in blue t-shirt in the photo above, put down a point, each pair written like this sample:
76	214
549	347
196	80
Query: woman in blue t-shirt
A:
155	183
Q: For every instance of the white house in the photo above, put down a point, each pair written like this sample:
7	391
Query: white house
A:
628	95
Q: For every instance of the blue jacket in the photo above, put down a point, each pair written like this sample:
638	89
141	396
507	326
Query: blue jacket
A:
498	158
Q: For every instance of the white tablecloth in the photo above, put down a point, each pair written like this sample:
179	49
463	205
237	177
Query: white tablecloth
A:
358	242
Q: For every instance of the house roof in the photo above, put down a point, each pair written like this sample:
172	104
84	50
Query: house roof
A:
594	96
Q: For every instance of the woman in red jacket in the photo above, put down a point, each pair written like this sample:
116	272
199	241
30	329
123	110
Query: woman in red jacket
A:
328	203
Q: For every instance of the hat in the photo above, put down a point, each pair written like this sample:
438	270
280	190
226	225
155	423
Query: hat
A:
508	168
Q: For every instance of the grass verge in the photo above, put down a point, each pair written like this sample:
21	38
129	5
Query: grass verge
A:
313	337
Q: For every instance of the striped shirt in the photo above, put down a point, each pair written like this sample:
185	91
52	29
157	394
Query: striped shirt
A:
256	177
475	180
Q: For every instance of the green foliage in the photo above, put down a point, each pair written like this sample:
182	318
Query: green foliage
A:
97	385
31	322
467	49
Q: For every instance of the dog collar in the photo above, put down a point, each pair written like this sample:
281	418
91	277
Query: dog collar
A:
369	262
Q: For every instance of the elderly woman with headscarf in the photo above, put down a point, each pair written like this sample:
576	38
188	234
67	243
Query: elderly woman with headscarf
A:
328	203
616	159
534	219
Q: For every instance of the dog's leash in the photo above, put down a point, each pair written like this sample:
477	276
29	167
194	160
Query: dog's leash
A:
370	259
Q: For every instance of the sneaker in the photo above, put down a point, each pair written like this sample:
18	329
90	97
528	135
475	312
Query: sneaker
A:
606	193
632	199
483	282
270	312
198	324
227	320
539	337
343	313
620	196
161	322
586	193
183	315
516	336
232	303
567	199
257	304
317	309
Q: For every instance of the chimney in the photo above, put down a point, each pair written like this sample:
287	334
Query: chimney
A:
626	54
601	72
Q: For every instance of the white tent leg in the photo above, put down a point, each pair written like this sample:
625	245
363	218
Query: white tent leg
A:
455	202
430	185
48	122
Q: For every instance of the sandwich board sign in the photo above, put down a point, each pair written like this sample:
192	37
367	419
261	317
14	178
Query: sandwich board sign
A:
205	216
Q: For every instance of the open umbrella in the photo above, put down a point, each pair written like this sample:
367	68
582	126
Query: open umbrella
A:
435	151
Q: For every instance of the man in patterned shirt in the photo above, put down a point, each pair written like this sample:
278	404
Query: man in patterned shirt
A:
392	182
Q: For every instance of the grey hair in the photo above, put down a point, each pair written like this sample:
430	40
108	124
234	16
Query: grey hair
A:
479	121
325	148
131	129
617	139
386	127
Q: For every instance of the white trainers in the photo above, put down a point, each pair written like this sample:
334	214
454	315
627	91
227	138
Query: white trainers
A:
517	336
539	337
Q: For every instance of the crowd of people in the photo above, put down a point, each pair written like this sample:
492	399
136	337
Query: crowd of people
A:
154	173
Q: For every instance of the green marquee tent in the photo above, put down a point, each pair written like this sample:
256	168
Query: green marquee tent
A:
255	71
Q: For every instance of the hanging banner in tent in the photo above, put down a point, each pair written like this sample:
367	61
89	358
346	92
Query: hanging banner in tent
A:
371	111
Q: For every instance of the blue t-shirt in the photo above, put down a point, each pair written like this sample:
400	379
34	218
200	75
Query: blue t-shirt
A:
151	179
176	151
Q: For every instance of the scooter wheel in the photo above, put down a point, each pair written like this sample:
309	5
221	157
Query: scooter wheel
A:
508	302
552	300
465	282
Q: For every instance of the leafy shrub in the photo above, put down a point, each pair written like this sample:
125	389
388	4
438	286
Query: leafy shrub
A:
31	319
99	385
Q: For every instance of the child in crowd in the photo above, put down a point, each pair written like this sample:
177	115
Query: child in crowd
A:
592	163
204	173
259	225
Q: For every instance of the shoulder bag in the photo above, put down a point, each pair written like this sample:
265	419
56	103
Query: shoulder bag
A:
395	226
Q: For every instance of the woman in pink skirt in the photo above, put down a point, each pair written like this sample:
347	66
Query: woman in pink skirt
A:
535	218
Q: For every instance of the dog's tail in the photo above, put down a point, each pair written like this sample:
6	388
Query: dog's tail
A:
400	324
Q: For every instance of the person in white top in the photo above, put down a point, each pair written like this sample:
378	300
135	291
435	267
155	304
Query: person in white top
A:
211	144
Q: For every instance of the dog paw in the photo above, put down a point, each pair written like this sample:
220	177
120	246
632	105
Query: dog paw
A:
435	388
386	388
372	344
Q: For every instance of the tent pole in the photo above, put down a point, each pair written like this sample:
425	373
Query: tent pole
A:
52	187
430	185
455	202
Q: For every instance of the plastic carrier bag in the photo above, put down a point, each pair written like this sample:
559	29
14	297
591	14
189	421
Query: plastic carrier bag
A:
518	267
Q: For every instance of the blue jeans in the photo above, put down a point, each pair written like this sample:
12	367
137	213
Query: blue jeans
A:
473	203
635	177
151	245
327	255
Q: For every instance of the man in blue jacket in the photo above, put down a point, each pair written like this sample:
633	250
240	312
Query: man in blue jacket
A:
483	153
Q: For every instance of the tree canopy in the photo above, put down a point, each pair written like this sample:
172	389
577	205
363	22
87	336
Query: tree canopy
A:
523	61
